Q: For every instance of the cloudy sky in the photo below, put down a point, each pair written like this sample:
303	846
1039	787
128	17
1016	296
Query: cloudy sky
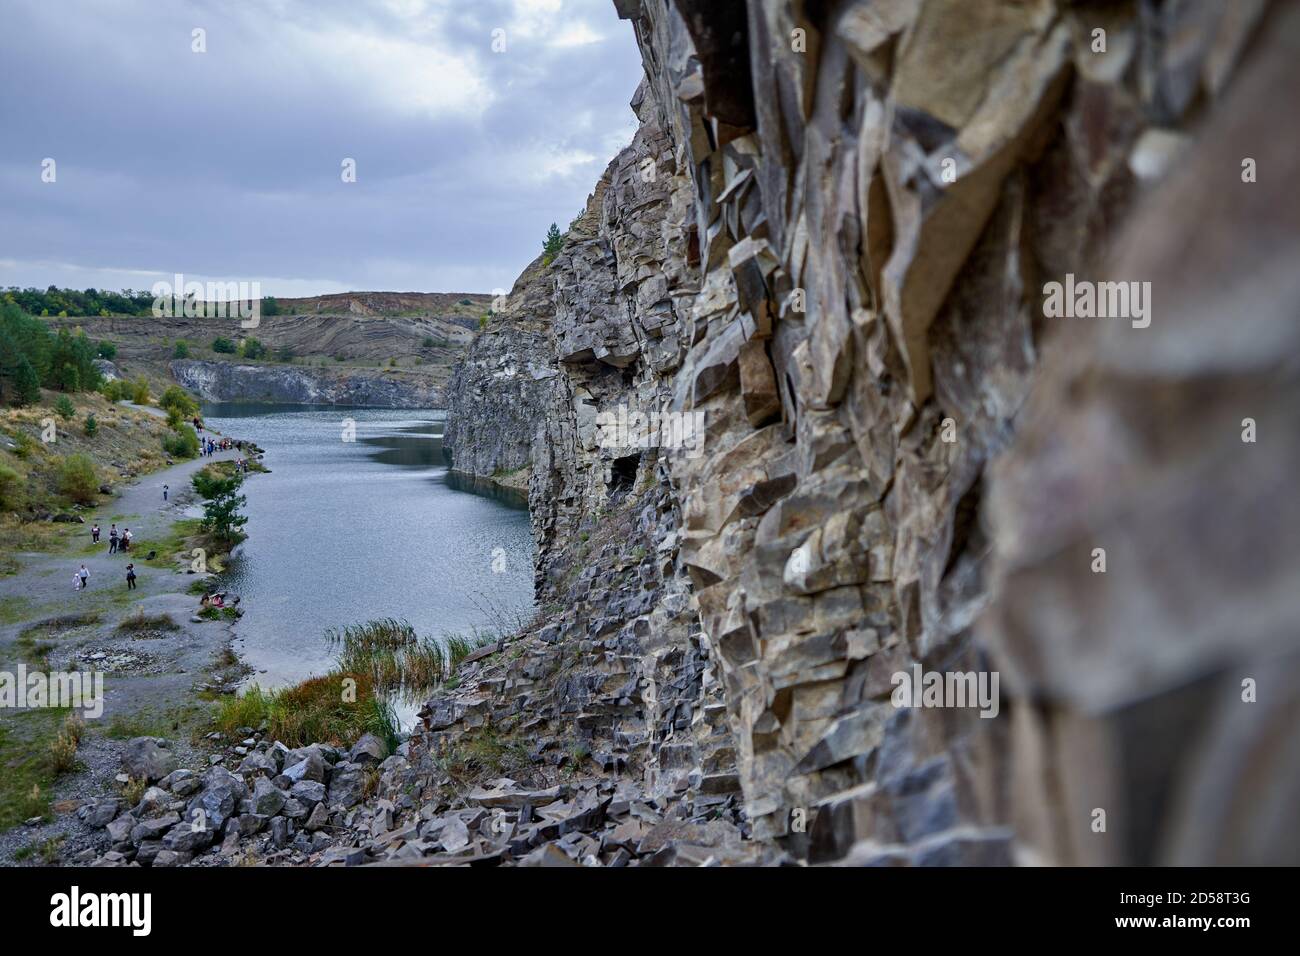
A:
228	164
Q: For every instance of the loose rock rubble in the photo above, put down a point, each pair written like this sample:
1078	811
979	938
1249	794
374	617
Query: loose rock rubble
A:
430	803
278	804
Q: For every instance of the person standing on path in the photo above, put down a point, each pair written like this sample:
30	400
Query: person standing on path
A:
164	493
94	533
130	577
126	539
112	540
84	577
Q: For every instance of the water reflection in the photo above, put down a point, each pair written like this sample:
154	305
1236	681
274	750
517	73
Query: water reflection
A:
509	497
345	531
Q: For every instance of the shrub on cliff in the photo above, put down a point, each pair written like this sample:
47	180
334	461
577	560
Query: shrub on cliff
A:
115	390
10	488
178	399
182	442
78	479
223	345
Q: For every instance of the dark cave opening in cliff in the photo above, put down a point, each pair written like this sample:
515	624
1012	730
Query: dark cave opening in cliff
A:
622	474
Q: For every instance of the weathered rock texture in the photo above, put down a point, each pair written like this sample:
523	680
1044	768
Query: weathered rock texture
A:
497	391
829	237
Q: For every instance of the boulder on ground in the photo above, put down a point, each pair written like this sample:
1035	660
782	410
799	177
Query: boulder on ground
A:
369	749
148	758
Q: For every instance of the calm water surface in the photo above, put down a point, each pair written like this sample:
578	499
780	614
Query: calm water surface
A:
343	532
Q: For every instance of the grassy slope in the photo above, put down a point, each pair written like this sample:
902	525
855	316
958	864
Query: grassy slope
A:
125	441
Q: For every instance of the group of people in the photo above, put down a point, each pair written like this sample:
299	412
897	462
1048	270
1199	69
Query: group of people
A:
122	541
81	580
210	446
117	542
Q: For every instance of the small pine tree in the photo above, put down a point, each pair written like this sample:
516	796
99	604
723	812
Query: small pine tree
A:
91	425
553	244
69	379
65	408
27	384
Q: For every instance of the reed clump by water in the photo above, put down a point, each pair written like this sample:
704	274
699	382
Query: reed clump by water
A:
397	659
377	661
334	709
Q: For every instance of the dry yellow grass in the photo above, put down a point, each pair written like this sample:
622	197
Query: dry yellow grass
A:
125	440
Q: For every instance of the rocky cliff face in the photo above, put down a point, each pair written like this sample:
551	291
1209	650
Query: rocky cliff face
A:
496	392
285	384
763	390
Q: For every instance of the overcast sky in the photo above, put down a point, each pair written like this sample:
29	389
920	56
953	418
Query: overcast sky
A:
227	164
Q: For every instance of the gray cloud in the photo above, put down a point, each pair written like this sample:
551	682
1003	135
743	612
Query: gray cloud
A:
226	164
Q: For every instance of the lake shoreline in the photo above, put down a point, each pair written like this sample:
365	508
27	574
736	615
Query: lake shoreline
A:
364	520
163	666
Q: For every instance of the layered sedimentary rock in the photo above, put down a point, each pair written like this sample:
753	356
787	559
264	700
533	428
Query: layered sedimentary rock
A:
287	384
497	390
821	264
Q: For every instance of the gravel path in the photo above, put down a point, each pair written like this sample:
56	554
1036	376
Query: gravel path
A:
151	675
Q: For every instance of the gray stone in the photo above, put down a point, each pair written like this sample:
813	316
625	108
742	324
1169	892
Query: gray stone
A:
100	813
268	799
153	829
119	830
369	749
347	786
311	766
308	792
187	837
169	857
318	817
148	758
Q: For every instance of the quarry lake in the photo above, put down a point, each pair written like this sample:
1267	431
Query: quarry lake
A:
342	532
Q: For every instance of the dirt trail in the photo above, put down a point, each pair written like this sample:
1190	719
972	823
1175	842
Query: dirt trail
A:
45	579
152	675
